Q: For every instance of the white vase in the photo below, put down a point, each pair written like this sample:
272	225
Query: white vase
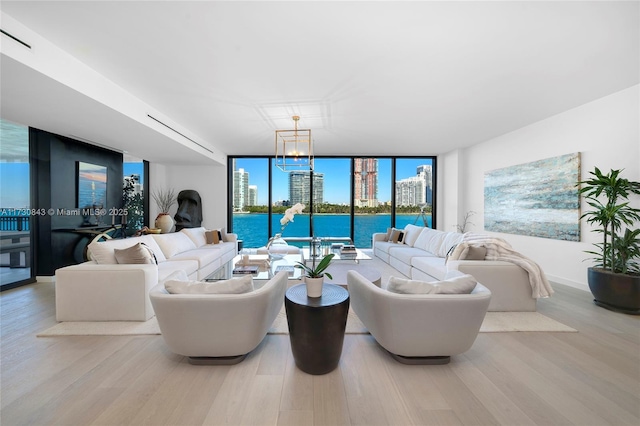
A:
165	222
314	286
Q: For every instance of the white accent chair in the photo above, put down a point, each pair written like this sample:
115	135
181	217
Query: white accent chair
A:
419	328
218	328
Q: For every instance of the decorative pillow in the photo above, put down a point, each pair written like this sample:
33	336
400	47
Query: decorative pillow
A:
232	286
455	252
462	284
174	243
223	232
450	239
214	237
388	236
103	252
411	234
396	236
196	235
476	253
464	251
177	275
138	254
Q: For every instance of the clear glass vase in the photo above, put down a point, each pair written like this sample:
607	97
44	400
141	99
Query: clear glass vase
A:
277	247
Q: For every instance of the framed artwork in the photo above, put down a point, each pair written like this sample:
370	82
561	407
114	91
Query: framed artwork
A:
538	199
91	185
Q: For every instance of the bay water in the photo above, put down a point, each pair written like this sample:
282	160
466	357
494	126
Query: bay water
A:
252	228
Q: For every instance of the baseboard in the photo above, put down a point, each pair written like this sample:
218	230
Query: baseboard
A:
568	283
46	278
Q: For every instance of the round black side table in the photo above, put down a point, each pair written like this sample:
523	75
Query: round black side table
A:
316	326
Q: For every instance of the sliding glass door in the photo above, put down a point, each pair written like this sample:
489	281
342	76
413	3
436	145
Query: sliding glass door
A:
15	206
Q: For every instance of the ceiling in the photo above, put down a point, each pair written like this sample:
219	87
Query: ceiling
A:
369	78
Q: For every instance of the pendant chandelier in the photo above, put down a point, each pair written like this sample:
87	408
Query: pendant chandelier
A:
293	148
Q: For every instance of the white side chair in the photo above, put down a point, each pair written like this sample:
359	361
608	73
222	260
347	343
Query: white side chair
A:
419	328
218	328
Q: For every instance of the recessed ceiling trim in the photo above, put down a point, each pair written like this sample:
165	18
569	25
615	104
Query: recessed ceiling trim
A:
15	38
174	130
98	144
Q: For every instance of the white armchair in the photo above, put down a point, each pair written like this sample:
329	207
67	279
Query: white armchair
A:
218	328
419	328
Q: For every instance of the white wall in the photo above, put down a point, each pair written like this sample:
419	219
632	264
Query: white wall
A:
605	132
209	181
449	196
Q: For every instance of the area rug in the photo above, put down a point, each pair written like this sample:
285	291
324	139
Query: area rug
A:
494	322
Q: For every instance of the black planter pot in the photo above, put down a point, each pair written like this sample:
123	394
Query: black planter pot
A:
616	292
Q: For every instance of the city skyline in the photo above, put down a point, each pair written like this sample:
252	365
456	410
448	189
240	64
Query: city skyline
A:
336	173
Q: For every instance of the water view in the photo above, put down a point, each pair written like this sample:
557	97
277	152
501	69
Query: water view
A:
253	228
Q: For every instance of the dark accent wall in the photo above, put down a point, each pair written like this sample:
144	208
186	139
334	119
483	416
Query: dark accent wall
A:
54	159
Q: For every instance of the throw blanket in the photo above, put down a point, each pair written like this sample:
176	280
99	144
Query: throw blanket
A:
499	249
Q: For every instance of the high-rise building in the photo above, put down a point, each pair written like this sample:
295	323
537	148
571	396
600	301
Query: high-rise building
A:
416	190
300	187
253	195
240	189
365	171
425	172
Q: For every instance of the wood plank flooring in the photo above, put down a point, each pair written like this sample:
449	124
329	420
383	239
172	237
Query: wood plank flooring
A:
587	378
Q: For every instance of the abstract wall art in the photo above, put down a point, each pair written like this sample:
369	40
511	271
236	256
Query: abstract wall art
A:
538	199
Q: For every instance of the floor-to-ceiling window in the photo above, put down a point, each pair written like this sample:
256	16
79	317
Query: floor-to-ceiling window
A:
135	206
413	192
343	196
249	200
332	197
372	188
15	206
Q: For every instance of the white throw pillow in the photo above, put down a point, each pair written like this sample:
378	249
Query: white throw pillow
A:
423	239
174	243
177	275
196	235
232	286
435	243
411	234
462	284
450	239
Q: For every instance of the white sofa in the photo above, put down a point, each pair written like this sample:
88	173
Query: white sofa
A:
422	255
104	290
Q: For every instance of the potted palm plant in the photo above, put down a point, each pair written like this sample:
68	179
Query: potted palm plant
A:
314	276
614	281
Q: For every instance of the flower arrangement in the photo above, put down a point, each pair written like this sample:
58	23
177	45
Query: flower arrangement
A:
289	214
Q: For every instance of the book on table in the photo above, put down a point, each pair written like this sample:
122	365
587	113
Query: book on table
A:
290	269
246	269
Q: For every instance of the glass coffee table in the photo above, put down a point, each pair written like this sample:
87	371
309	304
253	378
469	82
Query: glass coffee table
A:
356	256
261	267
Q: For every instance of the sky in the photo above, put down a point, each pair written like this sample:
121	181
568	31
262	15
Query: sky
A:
14	178
14	182
336	177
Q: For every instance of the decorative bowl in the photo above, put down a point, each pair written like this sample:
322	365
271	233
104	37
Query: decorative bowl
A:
154	231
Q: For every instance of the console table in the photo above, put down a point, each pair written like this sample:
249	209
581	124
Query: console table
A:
316	326
95	233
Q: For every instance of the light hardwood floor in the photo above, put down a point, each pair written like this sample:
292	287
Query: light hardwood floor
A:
587	378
